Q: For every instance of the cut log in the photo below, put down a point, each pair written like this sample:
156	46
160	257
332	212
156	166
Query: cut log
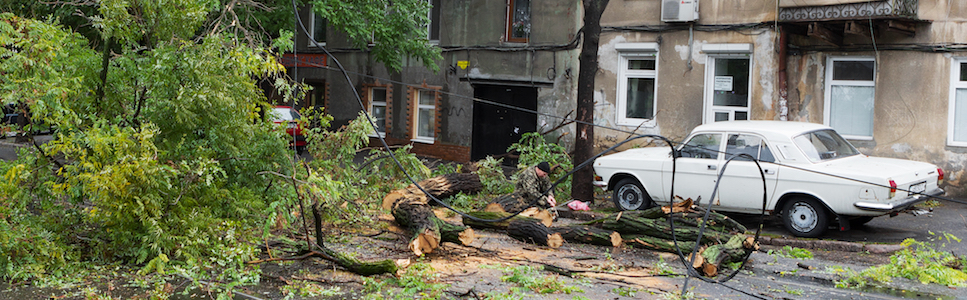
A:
441	187
512	202
730	252
419	219
533	231
486	215
456	234
589	235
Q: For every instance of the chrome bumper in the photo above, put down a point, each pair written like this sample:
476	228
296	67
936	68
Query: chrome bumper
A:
900	204
601	184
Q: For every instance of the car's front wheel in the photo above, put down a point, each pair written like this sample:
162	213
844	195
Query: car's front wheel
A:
805	217
630	195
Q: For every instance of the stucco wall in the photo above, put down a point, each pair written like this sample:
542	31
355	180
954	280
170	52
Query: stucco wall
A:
680	87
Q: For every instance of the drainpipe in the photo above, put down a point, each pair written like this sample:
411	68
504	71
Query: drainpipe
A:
783	84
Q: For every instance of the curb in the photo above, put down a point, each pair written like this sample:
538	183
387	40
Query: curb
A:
832	245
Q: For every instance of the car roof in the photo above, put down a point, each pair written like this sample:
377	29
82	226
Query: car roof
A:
785	128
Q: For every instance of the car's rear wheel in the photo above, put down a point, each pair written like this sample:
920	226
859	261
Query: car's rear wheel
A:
630	195
805	217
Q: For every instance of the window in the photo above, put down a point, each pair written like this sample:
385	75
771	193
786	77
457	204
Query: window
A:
727	82
433	28
849	96
319	25
636	83
424	116
957	112
378	107
748	144
824	145
704	145
317	96
518	21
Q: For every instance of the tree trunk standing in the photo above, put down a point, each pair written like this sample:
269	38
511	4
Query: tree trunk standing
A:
581	182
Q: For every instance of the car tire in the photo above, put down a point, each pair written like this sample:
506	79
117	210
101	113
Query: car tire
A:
630	195
805	217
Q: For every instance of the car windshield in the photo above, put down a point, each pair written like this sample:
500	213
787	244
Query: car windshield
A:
824	145
284	114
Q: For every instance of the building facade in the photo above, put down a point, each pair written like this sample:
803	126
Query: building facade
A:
889	75
508	67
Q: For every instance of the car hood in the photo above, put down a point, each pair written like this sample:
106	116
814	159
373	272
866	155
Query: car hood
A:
649	153
862	166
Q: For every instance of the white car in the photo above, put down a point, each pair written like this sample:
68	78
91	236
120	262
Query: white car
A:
813	177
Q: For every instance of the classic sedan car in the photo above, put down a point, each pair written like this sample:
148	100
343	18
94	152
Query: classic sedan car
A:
814	177
291	117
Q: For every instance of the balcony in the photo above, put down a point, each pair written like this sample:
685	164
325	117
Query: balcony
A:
832	10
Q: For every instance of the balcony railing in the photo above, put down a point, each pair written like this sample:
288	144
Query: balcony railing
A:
887	9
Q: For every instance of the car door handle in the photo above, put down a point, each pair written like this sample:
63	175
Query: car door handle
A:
770	172
712	167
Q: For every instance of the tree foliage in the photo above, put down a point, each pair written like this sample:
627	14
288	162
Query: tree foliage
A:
163	156
164	164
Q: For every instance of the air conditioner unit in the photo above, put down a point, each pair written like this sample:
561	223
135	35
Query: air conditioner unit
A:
679	10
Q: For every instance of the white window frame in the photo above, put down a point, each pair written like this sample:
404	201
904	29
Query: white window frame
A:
416	115
827	95
717	51
374	103
312	33
955	84
429	25
626	52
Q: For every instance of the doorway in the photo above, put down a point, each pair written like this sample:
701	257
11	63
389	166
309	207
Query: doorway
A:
496	127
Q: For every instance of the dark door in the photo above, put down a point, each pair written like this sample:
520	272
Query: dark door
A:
496	127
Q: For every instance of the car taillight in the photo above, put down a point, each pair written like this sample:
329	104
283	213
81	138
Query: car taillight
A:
892	188
939	176
597	177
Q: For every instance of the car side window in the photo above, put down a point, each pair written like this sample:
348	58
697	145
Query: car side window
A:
704	145
748	144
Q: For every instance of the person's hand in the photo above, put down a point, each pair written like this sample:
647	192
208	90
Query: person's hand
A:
550	200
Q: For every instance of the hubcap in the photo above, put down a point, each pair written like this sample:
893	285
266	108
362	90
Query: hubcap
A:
803	217
630	196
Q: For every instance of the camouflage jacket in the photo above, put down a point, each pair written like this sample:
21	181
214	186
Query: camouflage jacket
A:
530	186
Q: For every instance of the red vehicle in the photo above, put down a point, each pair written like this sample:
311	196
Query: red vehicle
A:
290	116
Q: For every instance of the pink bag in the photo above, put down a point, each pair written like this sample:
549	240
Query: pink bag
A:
578	205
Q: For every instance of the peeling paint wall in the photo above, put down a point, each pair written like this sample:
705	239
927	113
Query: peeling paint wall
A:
911	94
681	66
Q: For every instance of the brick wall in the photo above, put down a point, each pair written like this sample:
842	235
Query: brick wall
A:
436	150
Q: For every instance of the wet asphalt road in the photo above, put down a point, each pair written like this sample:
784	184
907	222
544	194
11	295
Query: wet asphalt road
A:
929	226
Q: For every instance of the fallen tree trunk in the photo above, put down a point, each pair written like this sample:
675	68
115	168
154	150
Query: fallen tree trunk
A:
723	239
441	187
428	230
417	218
658	244
523	228
533	231
716	255
490	215
661	229
411	209
589	235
